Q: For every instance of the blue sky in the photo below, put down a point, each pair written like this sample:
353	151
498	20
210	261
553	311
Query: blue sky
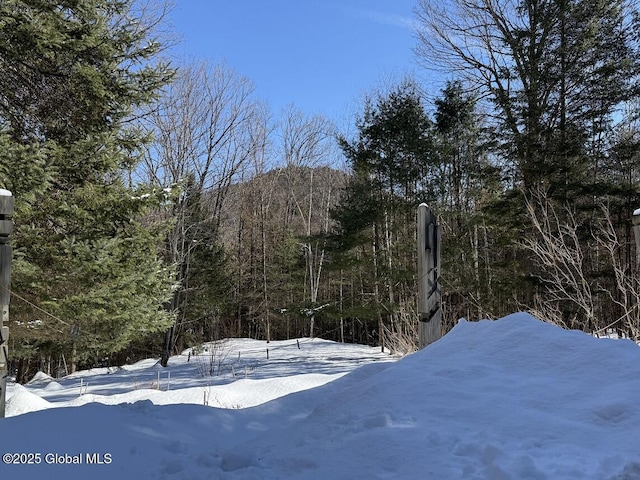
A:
320	55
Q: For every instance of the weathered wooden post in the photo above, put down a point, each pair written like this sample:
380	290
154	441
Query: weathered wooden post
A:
635	219
429	303
6	228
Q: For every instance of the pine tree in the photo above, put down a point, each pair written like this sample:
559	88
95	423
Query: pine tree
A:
554	71
71	74
467	182
556	74
391	162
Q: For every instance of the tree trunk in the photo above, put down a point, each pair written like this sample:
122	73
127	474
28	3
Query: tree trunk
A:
166	349
74	358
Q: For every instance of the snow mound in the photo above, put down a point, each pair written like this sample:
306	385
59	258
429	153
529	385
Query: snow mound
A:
53	386
23	401
509	399
514	398
40	377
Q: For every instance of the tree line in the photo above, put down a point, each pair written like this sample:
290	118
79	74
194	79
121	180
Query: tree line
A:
160	206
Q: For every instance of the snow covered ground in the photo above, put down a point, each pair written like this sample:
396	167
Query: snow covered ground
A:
510	399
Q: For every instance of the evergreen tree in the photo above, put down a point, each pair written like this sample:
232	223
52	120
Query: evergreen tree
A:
202	297
556	73
391	172
467	183
71	75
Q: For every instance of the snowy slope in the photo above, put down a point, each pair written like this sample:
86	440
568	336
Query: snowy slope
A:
510	399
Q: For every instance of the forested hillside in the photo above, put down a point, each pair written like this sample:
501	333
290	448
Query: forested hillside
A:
161	204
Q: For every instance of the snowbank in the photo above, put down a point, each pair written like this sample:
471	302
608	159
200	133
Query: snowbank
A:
23	401
510	399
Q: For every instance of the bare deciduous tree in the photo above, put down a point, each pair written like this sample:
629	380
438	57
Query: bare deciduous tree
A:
541	64
207	129
308	143
603	286
559	256
626	297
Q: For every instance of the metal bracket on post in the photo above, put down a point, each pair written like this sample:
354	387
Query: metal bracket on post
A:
6	228
4	339
429	293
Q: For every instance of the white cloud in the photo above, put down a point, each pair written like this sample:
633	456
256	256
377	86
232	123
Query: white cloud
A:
384	18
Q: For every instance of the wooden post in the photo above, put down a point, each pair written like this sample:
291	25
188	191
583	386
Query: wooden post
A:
635	219
429	301
6	228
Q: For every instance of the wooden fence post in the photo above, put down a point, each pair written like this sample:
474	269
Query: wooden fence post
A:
635	219
6	228
429	293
